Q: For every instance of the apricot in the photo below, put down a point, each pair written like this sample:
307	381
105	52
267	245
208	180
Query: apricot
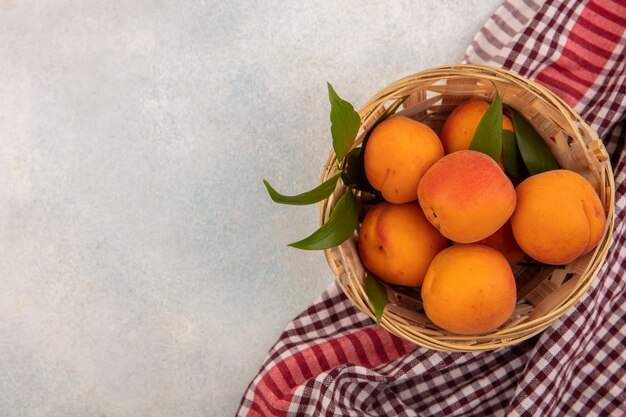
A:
398	153
397	243
469	289
458	130
558	217
504	242
466	196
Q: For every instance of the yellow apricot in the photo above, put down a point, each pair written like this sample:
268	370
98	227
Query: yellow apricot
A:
469	289
398	153
558	217
397	243
466	196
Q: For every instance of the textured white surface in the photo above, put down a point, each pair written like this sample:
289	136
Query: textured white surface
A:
143	269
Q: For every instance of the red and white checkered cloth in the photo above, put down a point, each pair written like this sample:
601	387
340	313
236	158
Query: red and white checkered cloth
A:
333	360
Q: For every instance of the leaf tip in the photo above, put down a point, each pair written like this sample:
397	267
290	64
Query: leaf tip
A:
296	245
379	316
270	190
377	295
331	89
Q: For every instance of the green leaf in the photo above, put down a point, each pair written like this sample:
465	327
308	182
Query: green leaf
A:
488	136
345	123
377	294
535	153
339	227
354	171
317	194
510	155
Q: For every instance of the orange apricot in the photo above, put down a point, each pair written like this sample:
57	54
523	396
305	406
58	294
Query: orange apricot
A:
397	243
398	153
469	289
458	130
558	217
504	242
466	196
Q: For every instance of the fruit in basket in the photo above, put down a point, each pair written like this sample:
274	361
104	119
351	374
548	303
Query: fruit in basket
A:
397	243
469	289
458	130
398	152
504	242
466	196
558	218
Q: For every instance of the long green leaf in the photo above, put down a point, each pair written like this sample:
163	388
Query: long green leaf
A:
510	155
339	227
345	123
488	136
535	153
377	294
317	194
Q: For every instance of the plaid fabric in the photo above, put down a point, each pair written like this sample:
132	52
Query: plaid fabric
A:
334	361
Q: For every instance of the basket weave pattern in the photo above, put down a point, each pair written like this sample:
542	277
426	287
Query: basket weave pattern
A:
543	293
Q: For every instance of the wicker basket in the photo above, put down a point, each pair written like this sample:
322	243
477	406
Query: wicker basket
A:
543	293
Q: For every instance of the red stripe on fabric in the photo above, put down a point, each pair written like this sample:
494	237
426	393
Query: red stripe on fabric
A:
585	43
368	347
380	346
255	411
313	361
395	346
286	373
301	364
402	347
599	24
597	41
275	385
590	40
358	350
272	386
579	62
325	357
567	71
558	73
337	349
557	84
260	398
608	13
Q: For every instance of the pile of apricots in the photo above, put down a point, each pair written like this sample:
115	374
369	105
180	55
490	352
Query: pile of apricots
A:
454	224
